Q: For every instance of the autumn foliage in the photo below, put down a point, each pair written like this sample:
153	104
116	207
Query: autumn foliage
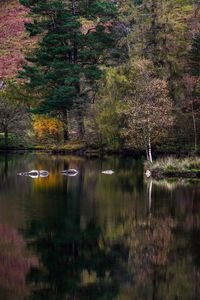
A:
13	39
47	129
15	263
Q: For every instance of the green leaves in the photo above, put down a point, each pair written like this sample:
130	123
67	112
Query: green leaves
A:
93	73
103	9
195	55
68	57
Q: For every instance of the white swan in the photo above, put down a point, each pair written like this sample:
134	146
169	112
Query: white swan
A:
69	172
108	172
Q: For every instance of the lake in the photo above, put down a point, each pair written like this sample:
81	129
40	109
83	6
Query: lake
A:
96	236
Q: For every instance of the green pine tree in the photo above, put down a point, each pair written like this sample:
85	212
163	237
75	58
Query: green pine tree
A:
195	55
74	37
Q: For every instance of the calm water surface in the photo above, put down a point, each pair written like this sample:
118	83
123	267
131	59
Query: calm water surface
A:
96	236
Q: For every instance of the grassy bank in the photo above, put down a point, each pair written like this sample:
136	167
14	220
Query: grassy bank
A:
70	146
175	167
78	147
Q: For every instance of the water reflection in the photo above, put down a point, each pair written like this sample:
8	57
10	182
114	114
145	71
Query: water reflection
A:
161	260
15	263
102	237
76	263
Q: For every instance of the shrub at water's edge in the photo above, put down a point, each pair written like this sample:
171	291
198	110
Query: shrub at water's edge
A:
175	167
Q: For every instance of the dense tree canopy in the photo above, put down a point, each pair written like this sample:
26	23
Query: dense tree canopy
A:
65	66
14	117
195	55
78	67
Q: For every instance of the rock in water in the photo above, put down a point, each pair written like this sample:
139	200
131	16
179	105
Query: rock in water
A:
44	173
35	173
148	173
69	172
108	172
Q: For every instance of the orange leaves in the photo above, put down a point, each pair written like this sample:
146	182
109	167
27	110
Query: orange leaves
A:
47	129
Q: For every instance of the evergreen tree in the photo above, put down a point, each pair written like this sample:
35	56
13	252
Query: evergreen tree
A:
159	34
195	55
66	64
192	102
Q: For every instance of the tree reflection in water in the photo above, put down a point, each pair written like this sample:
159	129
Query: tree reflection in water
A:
149	254
15	263
75	262
98	237
164	250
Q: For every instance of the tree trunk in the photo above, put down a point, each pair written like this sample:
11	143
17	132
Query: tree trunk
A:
149	149
147	152
81	126
149	191
150	154
6	138
65	125
153	41
100	139
154	286
146	146
194	128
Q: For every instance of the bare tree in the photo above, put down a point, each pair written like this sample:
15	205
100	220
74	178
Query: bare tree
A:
191	105
14	118
149	108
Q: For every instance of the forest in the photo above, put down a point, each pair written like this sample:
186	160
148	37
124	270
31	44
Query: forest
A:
99	149
108	75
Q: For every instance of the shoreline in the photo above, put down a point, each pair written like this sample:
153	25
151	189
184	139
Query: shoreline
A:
87	150
165	167
80	151
175	174
171	167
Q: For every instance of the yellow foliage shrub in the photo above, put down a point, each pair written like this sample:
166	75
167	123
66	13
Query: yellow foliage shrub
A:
48	129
